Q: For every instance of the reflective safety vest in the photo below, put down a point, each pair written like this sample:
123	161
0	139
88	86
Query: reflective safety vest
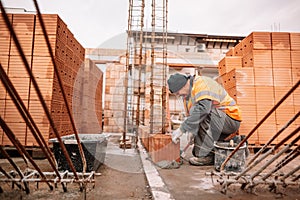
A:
206	88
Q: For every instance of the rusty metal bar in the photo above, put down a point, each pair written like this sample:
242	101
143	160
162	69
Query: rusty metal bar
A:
25	114
29	121
140	65
290	173
259	123
296	178
9	177
274	137
294	154
5	154
289	156
128	69
33	176
273	149
20	147
278	154
152	68
61	85
165	66
9	26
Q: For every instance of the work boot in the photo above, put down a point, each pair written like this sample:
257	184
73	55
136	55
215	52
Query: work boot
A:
202	161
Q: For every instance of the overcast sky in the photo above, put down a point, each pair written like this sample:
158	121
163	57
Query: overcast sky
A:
94	22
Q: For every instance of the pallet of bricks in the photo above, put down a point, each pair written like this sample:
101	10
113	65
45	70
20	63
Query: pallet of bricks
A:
257	73
69	56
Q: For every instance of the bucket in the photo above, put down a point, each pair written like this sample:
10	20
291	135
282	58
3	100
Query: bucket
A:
94	149
236	163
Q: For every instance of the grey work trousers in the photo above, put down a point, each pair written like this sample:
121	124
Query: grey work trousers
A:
215	127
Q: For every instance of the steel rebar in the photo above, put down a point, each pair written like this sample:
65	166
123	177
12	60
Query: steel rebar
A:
9	177
20	148
15	166
274	137
249	167
292	156
279	153
290	173
259	124
28	120
18	45
61	86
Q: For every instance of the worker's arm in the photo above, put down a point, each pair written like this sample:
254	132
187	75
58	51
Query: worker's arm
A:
198	113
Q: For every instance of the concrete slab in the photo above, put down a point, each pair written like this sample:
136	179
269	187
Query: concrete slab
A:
192	182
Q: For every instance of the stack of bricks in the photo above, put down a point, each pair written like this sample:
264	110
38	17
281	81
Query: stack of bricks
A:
69	59
88	113
114	107
270	67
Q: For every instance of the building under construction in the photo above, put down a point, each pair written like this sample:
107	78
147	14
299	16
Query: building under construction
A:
67	102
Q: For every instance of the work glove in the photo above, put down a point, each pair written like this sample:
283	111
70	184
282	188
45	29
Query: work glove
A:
190	138
176	135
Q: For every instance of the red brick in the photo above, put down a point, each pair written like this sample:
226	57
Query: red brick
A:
280	40
295	41
282	77
256	40
258	58
281	59
162	148
263	76
229	63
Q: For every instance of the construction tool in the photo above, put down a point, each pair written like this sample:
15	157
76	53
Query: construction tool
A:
182	154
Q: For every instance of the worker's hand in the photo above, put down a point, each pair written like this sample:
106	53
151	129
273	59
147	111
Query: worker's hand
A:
190	138
176	135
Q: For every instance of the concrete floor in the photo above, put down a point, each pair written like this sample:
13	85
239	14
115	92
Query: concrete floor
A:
192	182
130	174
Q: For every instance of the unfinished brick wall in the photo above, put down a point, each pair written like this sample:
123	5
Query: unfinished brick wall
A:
270	67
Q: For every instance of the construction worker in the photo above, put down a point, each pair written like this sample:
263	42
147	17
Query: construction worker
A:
212	115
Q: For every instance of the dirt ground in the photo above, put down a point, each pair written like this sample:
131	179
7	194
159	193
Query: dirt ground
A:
111	184
122	177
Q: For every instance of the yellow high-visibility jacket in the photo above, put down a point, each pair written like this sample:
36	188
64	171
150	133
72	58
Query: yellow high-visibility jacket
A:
207	88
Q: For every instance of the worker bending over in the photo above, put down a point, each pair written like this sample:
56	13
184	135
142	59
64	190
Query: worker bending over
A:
212	115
